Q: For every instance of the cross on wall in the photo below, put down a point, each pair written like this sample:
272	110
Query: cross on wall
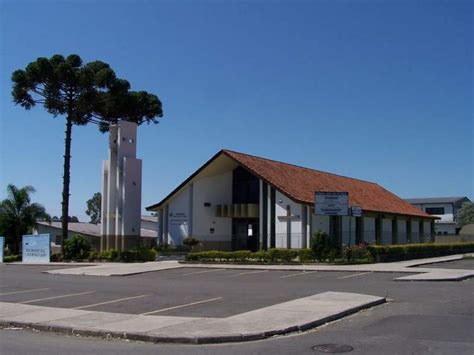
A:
288	218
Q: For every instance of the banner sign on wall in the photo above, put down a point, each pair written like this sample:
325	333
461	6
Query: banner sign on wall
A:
36	248
2	248
331	203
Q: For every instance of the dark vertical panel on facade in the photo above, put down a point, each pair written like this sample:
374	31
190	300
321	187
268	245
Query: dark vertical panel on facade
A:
335	231
272	218
359	232
378	230
421	227
394	231
409	231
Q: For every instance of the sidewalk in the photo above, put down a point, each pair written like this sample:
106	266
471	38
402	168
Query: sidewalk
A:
293	316
421	274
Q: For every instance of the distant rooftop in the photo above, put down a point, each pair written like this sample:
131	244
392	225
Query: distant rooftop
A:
93	229
422	200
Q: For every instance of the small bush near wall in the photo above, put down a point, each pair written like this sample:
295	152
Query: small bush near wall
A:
76	247
306	256
388	253
109	255
11	258
357	253
321	245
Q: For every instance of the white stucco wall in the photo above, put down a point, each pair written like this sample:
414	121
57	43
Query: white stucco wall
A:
386	231
178	217
216	190
369	230
281	201
402	231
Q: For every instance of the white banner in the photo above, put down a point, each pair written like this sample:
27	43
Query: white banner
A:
331	203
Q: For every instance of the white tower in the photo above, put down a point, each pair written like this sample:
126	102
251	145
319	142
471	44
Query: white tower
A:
121	190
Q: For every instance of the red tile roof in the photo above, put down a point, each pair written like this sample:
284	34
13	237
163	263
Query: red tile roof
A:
300	184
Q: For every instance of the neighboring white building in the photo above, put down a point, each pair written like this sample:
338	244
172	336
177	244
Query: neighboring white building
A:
238	201
446	208
92	232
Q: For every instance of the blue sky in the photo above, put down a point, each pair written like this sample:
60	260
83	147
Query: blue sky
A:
378	90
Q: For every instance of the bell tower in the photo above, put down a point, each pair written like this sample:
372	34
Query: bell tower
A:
121	190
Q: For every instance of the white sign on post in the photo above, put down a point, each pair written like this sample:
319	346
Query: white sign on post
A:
331	203
2	247
356	211
36	248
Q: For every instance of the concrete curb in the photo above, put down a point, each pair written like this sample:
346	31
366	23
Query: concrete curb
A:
230	337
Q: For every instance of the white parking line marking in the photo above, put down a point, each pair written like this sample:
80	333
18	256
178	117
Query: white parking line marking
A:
107	302
183	305
353	275
249	272
54	297
298	274
202	272
14	293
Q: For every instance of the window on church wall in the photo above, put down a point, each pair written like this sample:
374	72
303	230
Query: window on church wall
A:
245	186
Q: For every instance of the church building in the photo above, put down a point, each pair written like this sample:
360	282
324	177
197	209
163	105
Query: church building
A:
238	201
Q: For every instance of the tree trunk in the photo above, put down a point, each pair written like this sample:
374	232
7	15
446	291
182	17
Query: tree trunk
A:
66	178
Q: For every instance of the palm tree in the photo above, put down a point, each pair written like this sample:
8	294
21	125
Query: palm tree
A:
18	215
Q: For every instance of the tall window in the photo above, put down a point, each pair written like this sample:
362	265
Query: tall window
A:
245	186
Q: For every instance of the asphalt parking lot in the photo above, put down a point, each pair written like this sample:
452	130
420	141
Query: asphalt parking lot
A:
422	317
192	292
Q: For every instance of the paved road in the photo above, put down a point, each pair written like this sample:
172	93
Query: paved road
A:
467	264
436	317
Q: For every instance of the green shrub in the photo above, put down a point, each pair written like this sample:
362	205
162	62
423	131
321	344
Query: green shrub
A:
76	247
142	253
281	255
321	245
56	257
306	255
109	255
93	255
240	255
11	258
388	253
332	255
127	256
172	248
191	241
357	252
260	256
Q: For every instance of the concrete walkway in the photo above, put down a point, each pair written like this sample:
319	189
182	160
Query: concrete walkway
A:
296	315
421	274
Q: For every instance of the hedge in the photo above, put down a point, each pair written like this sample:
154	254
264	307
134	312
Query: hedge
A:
271	255
11	258
388	253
